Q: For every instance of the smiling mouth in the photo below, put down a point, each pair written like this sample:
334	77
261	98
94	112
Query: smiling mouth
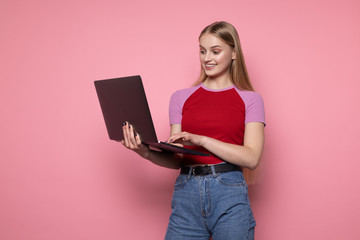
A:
209	66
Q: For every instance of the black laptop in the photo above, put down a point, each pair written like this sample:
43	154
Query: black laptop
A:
123	99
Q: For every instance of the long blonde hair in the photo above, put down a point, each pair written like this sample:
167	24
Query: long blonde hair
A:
238	72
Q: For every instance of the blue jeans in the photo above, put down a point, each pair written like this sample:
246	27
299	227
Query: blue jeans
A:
215	205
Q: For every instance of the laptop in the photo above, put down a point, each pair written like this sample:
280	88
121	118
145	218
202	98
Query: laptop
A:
123	99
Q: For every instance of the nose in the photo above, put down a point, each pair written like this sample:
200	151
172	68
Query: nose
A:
207	57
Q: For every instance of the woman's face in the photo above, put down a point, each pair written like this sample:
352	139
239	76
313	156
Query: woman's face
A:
215	56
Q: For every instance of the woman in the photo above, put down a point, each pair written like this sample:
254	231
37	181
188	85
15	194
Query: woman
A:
220	115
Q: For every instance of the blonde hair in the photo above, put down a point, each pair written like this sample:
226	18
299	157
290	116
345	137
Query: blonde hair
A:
238	72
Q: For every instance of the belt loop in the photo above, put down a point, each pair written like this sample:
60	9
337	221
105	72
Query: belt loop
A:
190	172
213	170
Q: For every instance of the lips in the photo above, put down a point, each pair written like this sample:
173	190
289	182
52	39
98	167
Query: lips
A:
209	66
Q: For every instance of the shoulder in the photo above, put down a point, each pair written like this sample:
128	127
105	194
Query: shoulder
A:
177	101
250	97
254	106
186	91
183	94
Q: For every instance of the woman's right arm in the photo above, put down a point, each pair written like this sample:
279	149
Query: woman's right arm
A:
165	159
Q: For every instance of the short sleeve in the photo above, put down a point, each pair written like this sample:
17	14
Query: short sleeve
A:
175	108
255	111
254	106
176	104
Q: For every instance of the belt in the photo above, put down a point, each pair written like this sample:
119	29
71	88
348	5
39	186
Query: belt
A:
205	170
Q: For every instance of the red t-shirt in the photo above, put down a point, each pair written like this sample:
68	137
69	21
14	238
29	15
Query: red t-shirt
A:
220	114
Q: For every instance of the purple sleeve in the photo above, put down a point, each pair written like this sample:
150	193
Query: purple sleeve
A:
254	106
177	101
175	108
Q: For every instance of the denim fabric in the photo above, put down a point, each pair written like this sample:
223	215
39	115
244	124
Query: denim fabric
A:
214	205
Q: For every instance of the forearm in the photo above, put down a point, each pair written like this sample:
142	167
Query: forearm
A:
163	159
248	155
232	153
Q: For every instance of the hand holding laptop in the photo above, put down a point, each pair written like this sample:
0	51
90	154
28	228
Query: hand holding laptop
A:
132	140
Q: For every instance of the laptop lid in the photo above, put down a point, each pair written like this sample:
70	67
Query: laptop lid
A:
123	99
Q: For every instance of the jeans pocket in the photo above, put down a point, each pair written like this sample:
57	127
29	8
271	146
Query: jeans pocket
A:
232	179
180	182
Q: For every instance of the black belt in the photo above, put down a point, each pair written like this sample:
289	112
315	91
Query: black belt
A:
205	170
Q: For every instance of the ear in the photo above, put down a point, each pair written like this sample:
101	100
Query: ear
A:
233	55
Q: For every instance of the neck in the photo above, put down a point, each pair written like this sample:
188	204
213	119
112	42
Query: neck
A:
219	82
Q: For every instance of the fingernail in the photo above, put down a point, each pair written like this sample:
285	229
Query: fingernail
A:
124	123
135	134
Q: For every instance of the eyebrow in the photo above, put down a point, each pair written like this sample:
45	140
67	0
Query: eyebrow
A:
216	46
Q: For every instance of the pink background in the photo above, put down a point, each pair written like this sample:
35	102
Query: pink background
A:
60	176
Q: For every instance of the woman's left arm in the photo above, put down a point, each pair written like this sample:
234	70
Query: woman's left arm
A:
247	155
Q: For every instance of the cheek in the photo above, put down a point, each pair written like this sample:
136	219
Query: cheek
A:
224	59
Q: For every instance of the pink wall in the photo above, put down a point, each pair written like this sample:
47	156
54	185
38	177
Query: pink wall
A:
60	176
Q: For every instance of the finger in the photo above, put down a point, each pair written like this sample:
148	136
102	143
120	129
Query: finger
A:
138	140
129	135
184	139
183	136
126	134
179	140
132	140
175	137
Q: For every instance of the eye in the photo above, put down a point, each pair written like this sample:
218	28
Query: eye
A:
216	52
202	51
